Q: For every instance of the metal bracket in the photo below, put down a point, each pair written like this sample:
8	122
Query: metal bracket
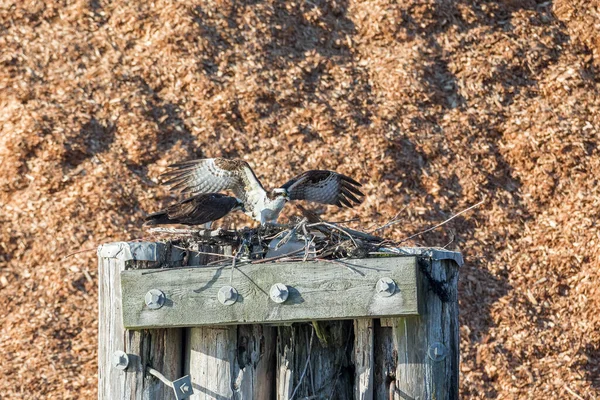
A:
182	386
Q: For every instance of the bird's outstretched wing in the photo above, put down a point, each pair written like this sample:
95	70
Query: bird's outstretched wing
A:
212	175
196	210
327	187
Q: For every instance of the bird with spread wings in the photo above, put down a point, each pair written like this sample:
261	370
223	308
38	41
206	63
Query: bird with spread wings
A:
205	178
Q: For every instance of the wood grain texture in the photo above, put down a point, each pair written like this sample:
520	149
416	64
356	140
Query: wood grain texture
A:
161	348
254	372
417	375
211	354
230	362
350	359
211	350
385	360
328	374
317	291
363	359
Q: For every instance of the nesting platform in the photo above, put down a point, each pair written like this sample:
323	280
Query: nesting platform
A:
227	328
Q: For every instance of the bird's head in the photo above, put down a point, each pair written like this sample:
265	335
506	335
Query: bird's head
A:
280	192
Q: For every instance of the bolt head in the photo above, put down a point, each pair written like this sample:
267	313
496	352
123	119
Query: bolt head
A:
184	387
386	287
227	295
120	360
279	293
437	351
155	299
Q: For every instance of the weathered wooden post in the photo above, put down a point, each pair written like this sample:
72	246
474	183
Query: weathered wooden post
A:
386	327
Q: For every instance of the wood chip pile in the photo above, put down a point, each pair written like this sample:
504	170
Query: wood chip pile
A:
432	105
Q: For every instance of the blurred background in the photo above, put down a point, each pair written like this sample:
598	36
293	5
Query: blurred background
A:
433	105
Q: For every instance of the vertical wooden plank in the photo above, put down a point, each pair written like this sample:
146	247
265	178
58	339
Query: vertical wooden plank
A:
410	343
254	371
452	326
211	351
329	374
161	348
384	361
420	373
110	329
230	362
285	362
211	356
363	359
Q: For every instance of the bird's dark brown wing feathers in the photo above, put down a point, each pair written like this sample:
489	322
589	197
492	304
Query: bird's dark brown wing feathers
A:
211	175
327	187
196	210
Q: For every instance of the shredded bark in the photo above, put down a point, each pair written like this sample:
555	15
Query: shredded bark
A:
433	105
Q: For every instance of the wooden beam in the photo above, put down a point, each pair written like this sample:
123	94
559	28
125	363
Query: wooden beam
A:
255	361
428	346
385	359
161	348
312	367
254	370
363	359
228	362
210	361
211	350
317	291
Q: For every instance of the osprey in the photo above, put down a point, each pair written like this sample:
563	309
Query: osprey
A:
204	178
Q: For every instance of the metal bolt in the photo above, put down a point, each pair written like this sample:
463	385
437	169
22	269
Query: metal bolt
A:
386	287
184	388
155	299
279	293
437	351
227	295
120	360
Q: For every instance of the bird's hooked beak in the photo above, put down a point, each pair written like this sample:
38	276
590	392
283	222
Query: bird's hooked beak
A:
283	191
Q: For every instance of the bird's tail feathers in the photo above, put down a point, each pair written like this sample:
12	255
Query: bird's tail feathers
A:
158	218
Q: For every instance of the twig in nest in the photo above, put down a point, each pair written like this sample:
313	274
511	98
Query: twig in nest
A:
312	335
162	229
441	223
307	248
449	243
336	228
266	260
568	389
167	268
391	222
235	260
307	243
290	233
346	221
205	252
77	252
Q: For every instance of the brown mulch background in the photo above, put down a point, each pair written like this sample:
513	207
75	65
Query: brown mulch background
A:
433	105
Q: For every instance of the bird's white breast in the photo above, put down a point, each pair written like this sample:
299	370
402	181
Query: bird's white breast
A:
261	208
